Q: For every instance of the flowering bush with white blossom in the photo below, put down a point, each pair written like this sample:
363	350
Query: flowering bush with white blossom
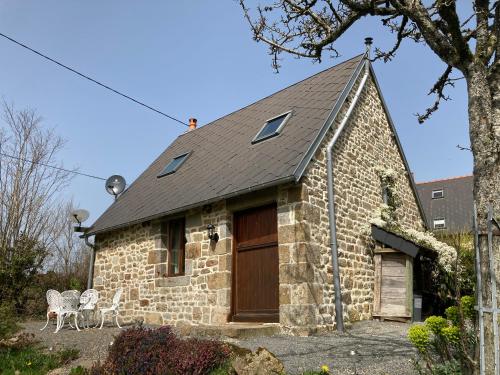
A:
385	217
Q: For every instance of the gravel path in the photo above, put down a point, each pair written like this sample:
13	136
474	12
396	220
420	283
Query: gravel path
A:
380	347
93	344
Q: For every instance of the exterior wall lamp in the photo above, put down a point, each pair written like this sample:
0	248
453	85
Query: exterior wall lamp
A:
212	234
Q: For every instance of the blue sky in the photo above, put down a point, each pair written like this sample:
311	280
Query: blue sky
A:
190	59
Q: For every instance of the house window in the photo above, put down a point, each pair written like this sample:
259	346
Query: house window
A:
176	242
174	165
436	194
439	223
272	127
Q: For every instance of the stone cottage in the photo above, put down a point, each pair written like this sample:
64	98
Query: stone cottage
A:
240	220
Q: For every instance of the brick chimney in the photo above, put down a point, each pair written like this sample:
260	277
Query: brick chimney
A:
192	124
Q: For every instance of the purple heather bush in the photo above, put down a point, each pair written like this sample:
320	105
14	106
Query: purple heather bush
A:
160	351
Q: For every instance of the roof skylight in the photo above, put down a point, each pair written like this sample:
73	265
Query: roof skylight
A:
272	127
174	165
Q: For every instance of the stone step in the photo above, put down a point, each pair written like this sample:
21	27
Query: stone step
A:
234	330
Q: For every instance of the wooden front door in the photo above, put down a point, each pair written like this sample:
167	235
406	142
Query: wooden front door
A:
255	266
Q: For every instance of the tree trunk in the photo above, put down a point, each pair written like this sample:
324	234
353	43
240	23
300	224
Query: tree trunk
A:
484	108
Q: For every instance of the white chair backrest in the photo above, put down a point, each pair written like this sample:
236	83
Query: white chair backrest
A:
54	299
70	299
88	299
116	298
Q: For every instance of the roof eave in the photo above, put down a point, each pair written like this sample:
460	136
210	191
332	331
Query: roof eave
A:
276	182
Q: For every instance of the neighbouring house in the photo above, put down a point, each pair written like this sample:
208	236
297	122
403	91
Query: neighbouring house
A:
448	203
243	219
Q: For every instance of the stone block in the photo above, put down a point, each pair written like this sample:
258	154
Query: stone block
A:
307	293
193	221
222	246
298	315
224	297
211	262
285	216
144	302
173	281
295	194
197	313
284	253
134	294
219	280
193	250
154	318
188	267
307	212
225	262
296	273
219	315
307	253
157	256
299	232
284	296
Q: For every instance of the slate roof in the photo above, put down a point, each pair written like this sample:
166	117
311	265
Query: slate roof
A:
223	161
456	207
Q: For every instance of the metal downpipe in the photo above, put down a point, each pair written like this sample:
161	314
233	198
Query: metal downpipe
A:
331	204
90	278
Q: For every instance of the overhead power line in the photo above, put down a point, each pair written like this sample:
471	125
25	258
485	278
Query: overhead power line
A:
51	166
93	80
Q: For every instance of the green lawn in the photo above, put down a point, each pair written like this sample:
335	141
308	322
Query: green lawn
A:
31	360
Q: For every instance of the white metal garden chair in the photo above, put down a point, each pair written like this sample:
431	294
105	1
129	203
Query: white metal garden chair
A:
88	301
70	300
54	300
113	309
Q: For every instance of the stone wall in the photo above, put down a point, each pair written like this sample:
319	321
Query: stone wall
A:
367	142
135	258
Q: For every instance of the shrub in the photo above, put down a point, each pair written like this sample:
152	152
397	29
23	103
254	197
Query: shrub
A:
160	351
436	324
8	325
451	334
453	315
447	368
467	303
419	336
449	349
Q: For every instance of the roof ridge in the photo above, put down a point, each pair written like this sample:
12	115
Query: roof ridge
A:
270	95
444	179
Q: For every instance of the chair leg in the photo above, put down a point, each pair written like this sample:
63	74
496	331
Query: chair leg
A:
116	320
46	324
76	321
59	325
102	320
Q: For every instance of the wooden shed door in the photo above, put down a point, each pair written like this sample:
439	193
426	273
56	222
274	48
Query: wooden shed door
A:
393	288
255	281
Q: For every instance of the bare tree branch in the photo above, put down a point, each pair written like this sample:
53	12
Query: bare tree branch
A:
438	89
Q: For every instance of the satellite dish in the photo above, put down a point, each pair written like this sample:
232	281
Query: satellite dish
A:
79	216
115	185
